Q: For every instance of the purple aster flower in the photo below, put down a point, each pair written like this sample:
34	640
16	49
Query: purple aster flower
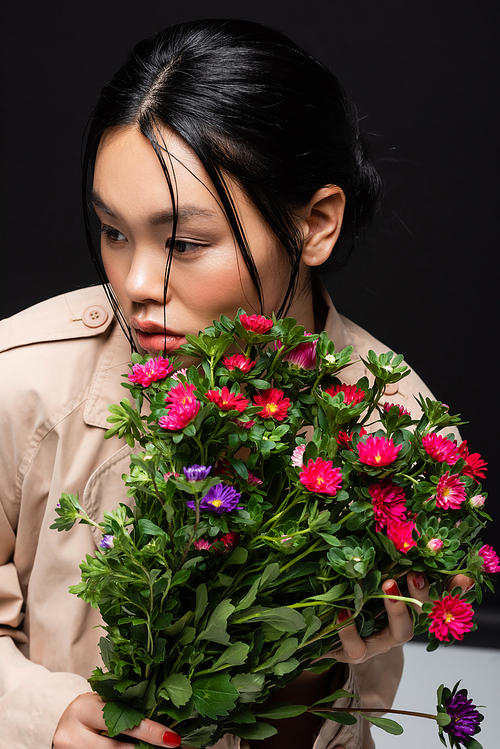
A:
465	718
107	542
196	472
219	498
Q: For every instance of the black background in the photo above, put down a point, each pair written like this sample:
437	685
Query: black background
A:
424	77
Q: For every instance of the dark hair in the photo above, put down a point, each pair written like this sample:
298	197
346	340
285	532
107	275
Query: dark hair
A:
252	105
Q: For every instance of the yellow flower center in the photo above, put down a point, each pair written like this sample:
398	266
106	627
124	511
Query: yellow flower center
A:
449	617
378	458
217	502
272	407
446	491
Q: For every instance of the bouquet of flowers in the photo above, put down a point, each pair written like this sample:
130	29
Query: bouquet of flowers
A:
270	502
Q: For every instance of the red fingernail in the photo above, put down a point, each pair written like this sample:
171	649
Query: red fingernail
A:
392	590
171	739
419	581
343	615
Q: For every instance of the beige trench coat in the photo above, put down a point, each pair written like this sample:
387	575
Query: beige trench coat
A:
61	366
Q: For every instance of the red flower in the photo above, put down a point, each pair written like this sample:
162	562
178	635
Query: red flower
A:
401	535
230	540
344	439
402	411
319	476
181	394
441	449
452	616
154	369
491	563
274	406
388	500
227	401
238	361
352	395
180	415
475	466
378	451
256	323
450	492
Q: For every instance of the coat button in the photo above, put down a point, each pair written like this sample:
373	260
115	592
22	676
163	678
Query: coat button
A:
94	316
391	388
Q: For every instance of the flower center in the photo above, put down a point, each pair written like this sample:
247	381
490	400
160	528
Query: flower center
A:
217	502
272	407
449	617
446	491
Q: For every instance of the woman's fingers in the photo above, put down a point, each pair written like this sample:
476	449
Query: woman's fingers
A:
82	724
464	582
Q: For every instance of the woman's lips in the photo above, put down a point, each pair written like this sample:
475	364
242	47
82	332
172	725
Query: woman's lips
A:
153	338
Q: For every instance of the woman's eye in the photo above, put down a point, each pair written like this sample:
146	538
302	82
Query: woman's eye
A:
112	234
182	246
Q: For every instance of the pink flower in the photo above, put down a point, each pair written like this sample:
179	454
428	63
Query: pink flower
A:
352	395
227	401
378	451
440	448
297	455
181	394
450	492
178	372
452	616
154	369
319	476
434	544
202	545
256	323
402	411
477	501
274	405
491	563
244	424
401	535
303	355
166	476
238	361
475	466
254	480
344	439
179	416
388	500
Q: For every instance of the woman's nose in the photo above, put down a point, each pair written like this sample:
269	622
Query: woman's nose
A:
146	277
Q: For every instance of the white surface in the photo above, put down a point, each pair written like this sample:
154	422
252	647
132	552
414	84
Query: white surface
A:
479	670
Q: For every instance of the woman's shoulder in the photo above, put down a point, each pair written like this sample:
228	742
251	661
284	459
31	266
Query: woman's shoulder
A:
84	313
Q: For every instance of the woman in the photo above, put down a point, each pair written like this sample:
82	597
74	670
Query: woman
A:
223	168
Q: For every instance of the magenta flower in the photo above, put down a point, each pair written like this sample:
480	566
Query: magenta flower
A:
298	455
256	323
319	476
238	361
477	501
378	451
154	369
230	540
202	545
451	616
352	394
441	449
491	563
475	466
254	480
465	719
181	394
244	424
219	498
196	472
274	405
450	492
303	355
401	535
179	416
434	544
226	400
389	503
402	411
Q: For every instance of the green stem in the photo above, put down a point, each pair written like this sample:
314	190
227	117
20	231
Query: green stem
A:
301	556
370	710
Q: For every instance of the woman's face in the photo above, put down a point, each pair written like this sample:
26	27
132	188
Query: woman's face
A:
208	276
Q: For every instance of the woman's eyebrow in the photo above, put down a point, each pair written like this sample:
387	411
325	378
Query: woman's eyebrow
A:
161	217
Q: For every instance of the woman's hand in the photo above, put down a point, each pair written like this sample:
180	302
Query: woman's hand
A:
82	724
400	622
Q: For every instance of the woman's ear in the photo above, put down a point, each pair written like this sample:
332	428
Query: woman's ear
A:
321	220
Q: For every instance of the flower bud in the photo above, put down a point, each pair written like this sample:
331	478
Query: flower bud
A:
478	501
434	544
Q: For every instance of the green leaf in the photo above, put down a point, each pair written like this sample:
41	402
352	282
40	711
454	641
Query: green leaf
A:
347	719
215	631
335	696
119	717
214	696
390	726
177	688
254	731
249	686
277	711
234	655
332	595
286	667
443	719
149	528
239	556
283	653
200	737
473	744
321	666
201	602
